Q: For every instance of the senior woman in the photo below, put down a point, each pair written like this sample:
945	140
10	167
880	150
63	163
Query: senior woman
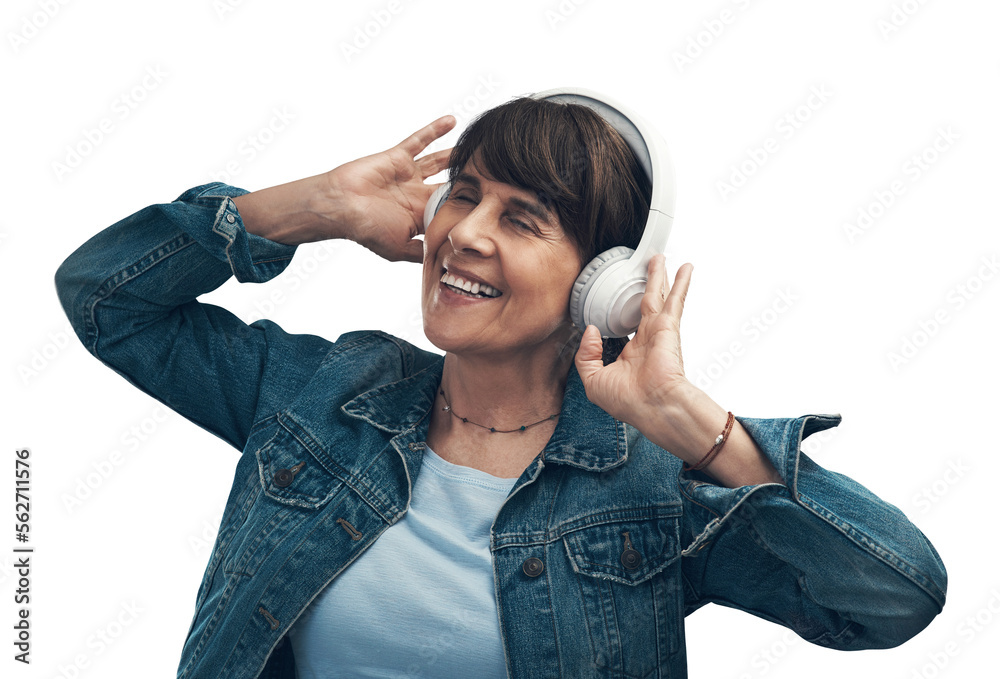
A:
533	503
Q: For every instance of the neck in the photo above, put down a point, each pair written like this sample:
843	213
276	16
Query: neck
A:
507	392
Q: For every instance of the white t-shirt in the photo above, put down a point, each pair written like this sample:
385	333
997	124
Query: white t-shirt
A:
420	601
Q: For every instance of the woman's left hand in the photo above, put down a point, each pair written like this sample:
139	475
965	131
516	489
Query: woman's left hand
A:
650	369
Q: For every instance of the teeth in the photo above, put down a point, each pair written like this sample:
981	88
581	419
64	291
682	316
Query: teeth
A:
478	289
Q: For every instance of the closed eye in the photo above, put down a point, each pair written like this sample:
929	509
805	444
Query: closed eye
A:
523	225
469	200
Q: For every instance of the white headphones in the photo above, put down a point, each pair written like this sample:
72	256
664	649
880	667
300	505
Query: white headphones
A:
609	290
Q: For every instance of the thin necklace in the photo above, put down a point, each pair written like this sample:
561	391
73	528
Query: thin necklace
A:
492	430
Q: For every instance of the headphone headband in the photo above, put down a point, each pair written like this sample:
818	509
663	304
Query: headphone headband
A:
648	146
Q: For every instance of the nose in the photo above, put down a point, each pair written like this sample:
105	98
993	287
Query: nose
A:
473	233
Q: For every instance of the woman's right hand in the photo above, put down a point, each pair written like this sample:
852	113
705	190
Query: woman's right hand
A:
379	200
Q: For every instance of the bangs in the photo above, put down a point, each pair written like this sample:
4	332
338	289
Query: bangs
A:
578	166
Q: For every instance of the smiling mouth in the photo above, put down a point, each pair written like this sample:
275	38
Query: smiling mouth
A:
460	286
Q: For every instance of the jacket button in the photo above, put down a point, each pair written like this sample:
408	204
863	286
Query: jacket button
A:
283	478
631	559
533	567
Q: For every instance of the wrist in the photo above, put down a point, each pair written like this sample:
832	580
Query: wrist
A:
684	421
687	427
331	206
293	213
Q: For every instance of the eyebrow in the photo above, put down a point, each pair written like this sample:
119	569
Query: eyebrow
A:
533	208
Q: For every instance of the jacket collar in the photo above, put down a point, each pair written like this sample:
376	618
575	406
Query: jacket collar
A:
585	436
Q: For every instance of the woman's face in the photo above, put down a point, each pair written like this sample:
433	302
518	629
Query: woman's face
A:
503	243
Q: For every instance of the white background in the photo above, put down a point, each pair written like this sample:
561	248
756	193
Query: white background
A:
920	433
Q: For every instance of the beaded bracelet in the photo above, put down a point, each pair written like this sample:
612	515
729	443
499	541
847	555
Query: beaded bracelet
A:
720	441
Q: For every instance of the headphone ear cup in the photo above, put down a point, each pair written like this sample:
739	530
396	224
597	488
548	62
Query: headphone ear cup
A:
435	202
583	290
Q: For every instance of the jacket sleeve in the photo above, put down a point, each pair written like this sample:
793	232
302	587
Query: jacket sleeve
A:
130	294
820	555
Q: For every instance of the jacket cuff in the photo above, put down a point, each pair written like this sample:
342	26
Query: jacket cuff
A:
252	258
780	440
845	506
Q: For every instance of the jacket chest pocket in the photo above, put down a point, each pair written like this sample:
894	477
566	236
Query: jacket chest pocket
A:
291	486
631	591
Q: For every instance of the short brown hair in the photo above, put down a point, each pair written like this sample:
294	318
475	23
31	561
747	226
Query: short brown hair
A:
578	164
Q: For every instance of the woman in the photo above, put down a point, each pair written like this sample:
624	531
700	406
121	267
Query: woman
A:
527	505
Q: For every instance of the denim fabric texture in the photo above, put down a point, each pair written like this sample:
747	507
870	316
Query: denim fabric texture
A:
332	437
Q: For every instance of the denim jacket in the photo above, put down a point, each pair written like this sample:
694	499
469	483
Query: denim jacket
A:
602	548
